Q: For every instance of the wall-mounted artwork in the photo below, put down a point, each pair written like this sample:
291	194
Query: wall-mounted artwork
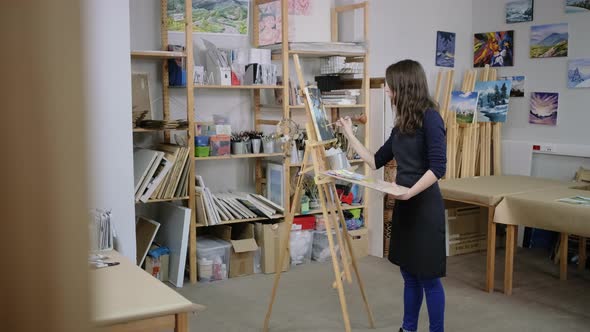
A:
577	6
300	7
465	105
517	89
578	73
493	48
549	40
518	11
221	16
544	107
445	49
492	104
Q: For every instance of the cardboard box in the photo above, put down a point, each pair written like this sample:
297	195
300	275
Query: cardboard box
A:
466	230
158	267
241	238
360	242
269	238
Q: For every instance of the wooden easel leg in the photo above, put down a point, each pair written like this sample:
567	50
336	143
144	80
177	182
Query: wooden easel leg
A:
491	257
563	256
582	254
354	264
335	264
332	198
509	264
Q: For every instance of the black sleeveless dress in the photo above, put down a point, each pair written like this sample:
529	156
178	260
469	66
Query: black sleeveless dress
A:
418	228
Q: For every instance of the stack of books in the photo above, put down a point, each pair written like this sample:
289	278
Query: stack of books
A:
341	97
163	124
161	173
215	209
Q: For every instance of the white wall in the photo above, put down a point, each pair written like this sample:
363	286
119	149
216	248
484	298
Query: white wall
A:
546	75
108	97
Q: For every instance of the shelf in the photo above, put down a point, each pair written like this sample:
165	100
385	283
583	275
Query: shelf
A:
239	87
320	54
238	221
157	54
145	130
352	161
325	105
344	208
242	156
165	200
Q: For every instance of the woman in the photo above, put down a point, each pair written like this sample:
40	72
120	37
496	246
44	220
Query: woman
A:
418	144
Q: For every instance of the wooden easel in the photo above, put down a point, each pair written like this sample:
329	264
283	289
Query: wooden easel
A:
333	218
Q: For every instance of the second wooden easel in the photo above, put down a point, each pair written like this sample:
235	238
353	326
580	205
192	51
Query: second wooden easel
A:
333	218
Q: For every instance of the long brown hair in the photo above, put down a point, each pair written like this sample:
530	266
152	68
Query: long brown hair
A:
407	81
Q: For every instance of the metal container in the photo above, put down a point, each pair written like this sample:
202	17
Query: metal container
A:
338	161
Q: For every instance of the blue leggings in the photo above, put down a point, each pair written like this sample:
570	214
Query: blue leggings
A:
414	290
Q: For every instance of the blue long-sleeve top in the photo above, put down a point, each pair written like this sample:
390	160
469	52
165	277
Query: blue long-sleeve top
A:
415	154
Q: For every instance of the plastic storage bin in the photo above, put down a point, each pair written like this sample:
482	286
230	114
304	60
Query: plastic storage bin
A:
212	258
321	247
301	243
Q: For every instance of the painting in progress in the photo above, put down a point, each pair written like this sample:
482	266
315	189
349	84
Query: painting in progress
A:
492	105
445	49
549	40
578	73
577	6
465	105
320	119
544	107
518	11
220	16
493	48
517	89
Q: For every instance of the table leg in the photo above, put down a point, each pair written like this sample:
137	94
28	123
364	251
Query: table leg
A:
582	254
181	322
563	256
491	258
509	264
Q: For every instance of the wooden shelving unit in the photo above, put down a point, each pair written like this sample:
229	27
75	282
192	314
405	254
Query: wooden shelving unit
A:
242	156
163	56
238	221
239	87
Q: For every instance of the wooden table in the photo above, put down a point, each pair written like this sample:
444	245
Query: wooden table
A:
540	209
488	192
126	298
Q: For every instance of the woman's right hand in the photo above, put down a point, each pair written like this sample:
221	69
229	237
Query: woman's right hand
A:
346	125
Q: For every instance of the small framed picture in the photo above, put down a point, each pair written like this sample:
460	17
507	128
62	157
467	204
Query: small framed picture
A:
274	183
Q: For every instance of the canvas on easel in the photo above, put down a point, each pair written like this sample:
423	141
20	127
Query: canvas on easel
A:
321	124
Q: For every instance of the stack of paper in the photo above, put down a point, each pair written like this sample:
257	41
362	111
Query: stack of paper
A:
214	209
161	173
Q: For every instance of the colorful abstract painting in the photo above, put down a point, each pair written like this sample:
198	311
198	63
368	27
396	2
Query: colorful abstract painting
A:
549	40
492	104
219	16
493	48
544	107
445	49
518	11
577	6
517	89
578	73
465	105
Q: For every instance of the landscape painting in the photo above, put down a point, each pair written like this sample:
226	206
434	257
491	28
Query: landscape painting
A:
518	11
445	49
211	16
544	107
465	105
577	6
549	40
578	73
493	48
517	89
492	104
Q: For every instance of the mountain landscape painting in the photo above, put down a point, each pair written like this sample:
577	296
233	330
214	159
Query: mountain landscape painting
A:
577	6
578	73
211	16
517	89
518	11
465	105
492	104
445	49
549	41
544	107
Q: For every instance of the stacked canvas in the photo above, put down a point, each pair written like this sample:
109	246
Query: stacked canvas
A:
161	173
214	209
341	97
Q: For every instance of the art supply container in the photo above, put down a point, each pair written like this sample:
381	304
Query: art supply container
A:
338	161
238	147
268	146
256	142
202	141
202	151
